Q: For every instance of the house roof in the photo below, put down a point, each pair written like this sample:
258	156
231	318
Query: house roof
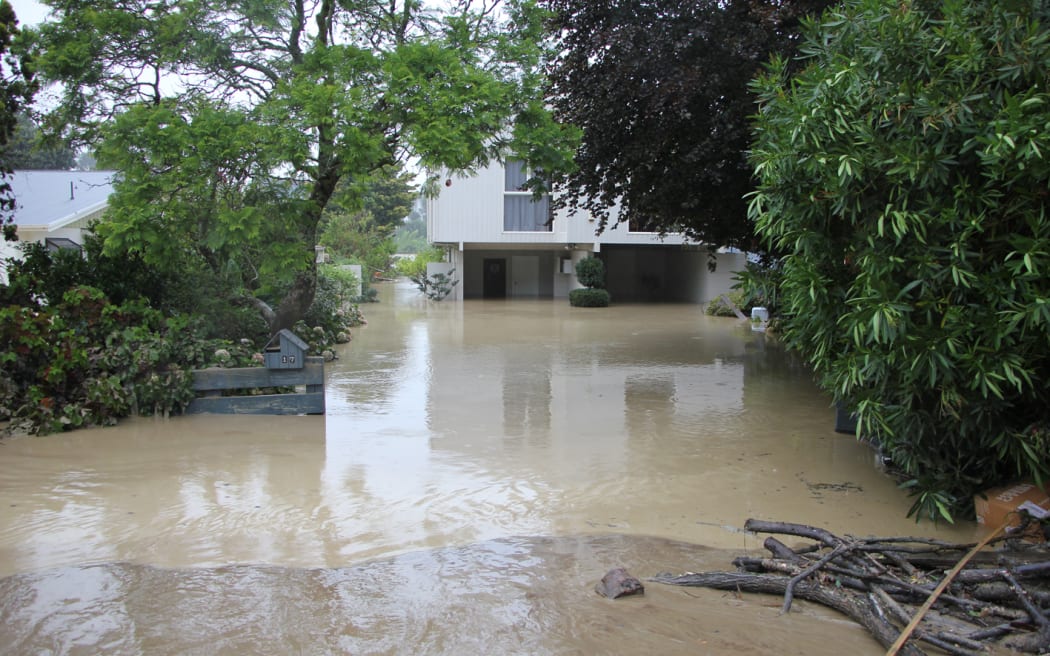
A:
49	200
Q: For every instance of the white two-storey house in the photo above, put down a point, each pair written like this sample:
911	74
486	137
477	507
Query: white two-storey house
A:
503	243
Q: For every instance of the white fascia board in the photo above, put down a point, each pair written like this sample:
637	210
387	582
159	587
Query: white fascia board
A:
76	216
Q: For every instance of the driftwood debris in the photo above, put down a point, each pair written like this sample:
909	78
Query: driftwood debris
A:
900	589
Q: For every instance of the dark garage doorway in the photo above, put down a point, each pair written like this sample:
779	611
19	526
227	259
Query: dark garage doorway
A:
495	281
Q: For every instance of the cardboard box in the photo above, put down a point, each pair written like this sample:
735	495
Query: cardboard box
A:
1002	504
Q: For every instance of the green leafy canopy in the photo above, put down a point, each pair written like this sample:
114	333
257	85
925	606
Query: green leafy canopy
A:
905	174
17	88
659	89
233	123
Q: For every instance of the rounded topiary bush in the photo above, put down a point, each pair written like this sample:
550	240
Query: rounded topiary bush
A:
591	273
589	298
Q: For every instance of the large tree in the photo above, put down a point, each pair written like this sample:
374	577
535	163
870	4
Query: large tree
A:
905	173
17	88
28	149
360	220
233	122
389	197
660	90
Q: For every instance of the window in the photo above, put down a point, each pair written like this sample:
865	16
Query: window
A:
522	212
641	224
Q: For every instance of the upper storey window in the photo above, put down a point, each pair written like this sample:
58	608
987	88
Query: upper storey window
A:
522	212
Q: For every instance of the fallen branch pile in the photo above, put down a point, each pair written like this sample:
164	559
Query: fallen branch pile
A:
974	599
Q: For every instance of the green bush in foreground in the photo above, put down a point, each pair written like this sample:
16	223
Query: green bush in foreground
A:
87	362
904	173
88	340
589	298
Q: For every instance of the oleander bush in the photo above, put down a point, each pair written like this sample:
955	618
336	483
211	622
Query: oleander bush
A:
903	175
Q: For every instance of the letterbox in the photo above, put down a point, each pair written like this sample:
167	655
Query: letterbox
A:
285	350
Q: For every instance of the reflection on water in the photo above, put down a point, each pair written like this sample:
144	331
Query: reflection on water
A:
451	427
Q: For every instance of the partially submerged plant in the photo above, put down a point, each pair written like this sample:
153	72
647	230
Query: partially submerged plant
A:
591	274
435	286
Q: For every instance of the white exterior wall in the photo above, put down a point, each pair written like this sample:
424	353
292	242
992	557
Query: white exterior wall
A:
356	270
55	204
470	210
467	215
13	249
8	250
456	260
721	280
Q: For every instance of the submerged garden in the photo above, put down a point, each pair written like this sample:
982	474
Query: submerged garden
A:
884	161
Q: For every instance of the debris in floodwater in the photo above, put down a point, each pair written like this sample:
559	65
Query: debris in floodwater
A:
897	588
618	583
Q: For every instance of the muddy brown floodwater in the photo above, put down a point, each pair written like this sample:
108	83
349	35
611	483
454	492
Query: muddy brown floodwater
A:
481	466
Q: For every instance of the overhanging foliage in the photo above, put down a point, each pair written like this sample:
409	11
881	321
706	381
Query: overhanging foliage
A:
660	91
234	122
905	173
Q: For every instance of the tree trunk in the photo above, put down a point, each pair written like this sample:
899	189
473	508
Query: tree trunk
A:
297	300
300	296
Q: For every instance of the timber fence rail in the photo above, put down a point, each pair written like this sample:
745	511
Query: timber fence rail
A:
211	383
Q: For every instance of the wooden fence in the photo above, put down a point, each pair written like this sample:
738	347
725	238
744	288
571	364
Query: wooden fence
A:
211	383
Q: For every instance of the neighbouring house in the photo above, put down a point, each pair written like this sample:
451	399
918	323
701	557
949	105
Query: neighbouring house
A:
55	208
503	243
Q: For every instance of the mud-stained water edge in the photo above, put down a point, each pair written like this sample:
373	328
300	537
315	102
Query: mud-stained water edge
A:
481	465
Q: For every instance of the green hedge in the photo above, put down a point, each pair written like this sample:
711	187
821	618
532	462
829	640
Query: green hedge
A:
719	308
589	298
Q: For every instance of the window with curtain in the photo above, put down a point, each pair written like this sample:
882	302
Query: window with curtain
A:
522	212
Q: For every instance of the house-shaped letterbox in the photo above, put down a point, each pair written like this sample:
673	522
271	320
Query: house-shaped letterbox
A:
285	350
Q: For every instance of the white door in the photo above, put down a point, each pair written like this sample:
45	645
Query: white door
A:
525	275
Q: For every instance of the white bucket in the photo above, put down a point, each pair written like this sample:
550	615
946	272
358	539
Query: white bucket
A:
759	317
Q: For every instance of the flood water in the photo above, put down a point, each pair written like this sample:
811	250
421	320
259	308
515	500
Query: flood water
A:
480	467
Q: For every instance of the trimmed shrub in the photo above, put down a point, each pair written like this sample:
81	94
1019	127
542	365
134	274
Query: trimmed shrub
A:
589	298
591	273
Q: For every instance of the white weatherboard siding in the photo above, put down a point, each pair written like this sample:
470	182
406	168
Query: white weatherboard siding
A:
470	209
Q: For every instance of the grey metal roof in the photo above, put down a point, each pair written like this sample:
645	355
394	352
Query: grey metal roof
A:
54	199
